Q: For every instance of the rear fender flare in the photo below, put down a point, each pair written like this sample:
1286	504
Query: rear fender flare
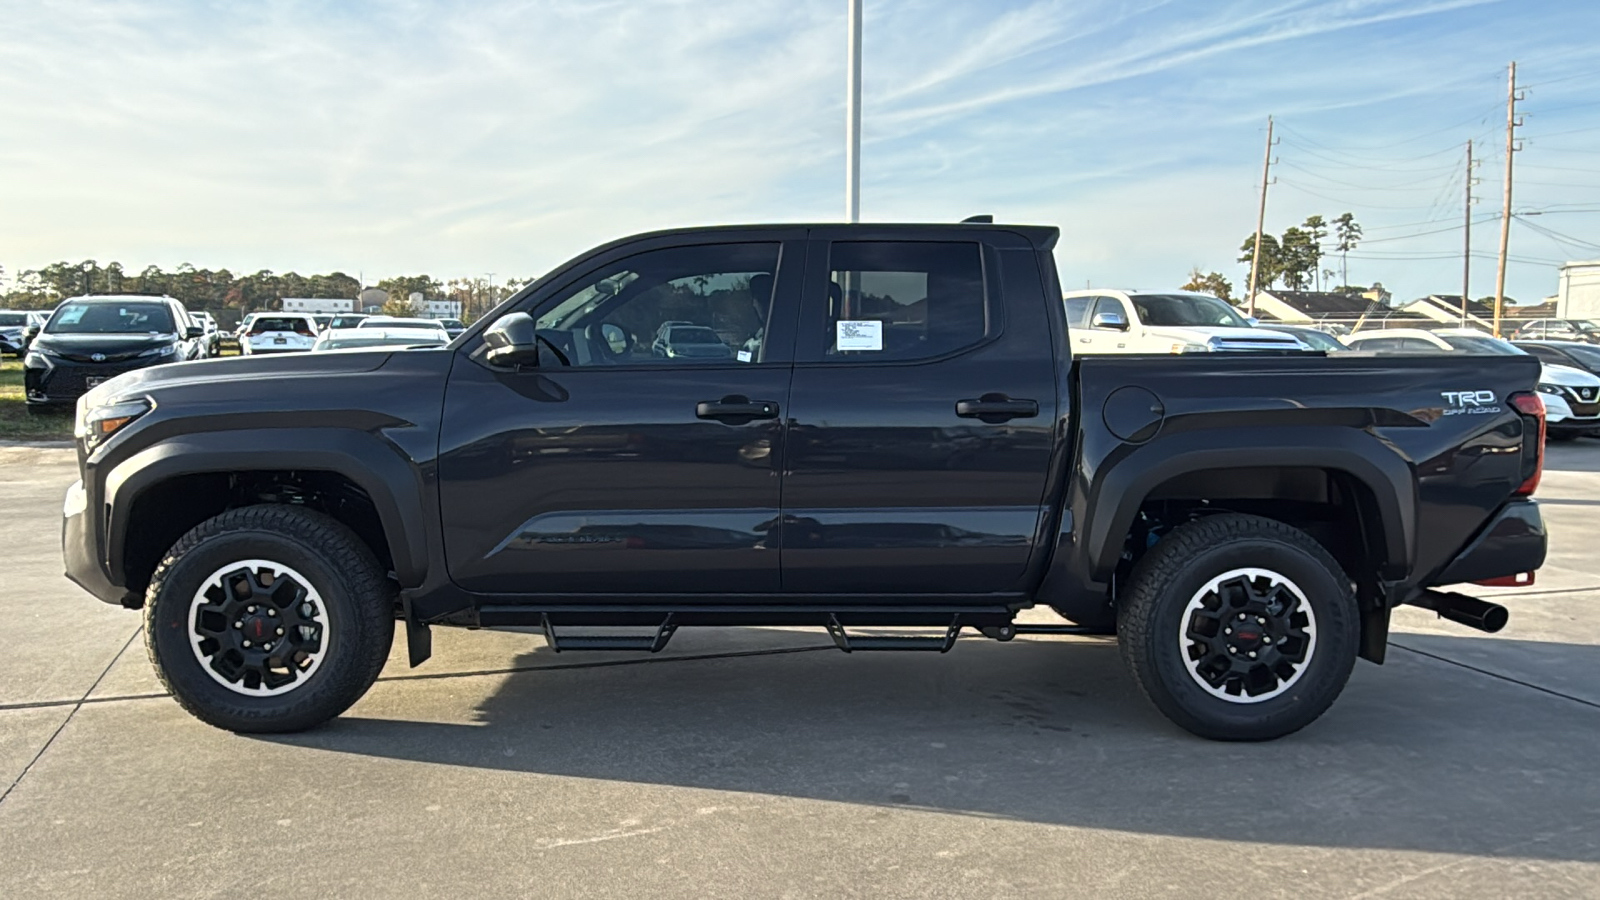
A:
1367	458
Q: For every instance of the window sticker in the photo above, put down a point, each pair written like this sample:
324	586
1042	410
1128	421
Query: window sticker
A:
744	356
863	334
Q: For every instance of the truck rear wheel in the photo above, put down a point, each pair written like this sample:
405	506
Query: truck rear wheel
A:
268	619
1239	628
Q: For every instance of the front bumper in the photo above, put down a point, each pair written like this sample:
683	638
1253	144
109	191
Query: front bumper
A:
81	548
1513	543
62	382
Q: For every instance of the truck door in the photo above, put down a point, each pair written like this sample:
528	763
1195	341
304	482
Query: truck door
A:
642	456
920	417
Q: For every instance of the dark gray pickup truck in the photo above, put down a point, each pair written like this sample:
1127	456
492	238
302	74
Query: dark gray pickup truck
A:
846	427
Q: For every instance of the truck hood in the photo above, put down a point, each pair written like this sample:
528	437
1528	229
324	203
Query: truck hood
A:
1566	376
1229	338
237	369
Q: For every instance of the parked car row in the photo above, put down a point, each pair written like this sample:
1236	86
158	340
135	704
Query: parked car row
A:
88	340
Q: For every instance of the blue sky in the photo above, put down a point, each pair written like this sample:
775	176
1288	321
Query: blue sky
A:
488	136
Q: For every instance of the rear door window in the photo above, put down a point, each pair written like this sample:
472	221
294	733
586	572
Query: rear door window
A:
902	300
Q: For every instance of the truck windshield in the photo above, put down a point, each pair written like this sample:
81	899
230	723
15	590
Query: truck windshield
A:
1185	311
111	318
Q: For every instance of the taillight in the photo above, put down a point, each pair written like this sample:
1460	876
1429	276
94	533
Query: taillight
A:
1531	406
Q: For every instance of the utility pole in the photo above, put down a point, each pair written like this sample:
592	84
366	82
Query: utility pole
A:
1466	243
1505	204
852	115
1261	219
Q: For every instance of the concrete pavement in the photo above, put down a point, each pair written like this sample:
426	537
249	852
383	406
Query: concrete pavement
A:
1466	766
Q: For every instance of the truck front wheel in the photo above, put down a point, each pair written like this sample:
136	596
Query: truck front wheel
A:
268	619
1239	628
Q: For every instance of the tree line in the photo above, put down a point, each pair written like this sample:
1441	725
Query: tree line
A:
216	289
1294	259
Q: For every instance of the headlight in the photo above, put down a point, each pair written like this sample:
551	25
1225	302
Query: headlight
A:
1186	347
163	350
95	425
1549	389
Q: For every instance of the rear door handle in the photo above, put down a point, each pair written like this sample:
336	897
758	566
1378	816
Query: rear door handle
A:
994	408
736	407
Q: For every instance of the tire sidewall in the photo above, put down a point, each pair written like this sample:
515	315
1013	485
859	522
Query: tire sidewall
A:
1332	658
170	624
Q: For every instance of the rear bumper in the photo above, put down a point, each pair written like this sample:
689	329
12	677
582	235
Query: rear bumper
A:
1514	542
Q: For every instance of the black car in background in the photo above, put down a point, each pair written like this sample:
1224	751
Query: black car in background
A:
1564	353
88	340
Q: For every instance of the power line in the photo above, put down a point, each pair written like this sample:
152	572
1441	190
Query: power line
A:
1358	151
1345	200
1365	187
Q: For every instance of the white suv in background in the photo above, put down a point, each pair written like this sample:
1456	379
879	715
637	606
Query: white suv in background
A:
1119	321
278	333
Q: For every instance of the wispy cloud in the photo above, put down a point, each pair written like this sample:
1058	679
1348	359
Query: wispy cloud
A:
505	135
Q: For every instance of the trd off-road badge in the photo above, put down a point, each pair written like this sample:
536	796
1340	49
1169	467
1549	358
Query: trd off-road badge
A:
1469	403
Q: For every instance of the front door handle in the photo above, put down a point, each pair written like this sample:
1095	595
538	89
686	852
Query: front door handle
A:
736	408
996	408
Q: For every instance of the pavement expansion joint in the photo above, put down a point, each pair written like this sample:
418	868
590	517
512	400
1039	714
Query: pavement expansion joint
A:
1507	678
64	722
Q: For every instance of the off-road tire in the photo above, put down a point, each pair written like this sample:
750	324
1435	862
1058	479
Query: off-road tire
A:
1151	613
358	598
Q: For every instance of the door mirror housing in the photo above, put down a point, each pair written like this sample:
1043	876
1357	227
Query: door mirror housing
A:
1252	321
32	331
512	341
194	331
1111	320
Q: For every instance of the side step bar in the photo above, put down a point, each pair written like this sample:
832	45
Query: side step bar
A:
850	644
636	642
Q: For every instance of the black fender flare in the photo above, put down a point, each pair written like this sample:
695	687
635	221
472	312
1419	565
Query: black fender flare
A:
377	466
1116	496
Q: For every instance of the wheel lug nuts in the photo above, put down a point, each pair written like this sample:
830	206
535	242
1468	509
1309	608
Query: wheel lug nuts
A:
1260	621
251	609
238	624
1231	649
1252	654
280	631
247	643
273	613
1227	631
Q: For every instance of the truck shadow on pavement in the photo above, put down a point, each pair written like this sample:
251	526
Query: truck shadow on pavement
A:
1417	755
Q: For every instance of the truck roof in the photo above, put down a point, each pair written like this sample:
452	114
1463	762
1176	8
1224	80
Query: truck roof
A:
1042	237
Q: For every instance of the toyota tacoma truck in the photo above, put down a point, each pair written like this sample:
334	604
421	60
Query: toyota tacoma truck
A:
899	438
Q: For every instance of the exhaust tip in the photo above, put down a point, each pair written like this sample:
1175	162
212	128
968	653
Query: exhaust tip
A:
1469	611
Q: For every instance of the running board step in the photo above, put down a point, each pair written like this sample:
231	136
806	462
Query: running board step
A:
850	644
635	642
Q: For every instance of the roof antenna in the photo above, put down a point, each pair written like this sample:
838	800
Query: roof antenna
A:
978	220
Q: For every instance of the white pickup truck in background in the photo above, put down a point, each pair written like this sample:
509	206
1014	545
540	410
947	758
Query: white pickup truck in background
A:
1121	321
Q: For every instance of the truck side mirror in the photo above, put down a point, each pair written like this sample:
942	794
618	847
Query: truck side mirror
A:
511	341
1111	320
